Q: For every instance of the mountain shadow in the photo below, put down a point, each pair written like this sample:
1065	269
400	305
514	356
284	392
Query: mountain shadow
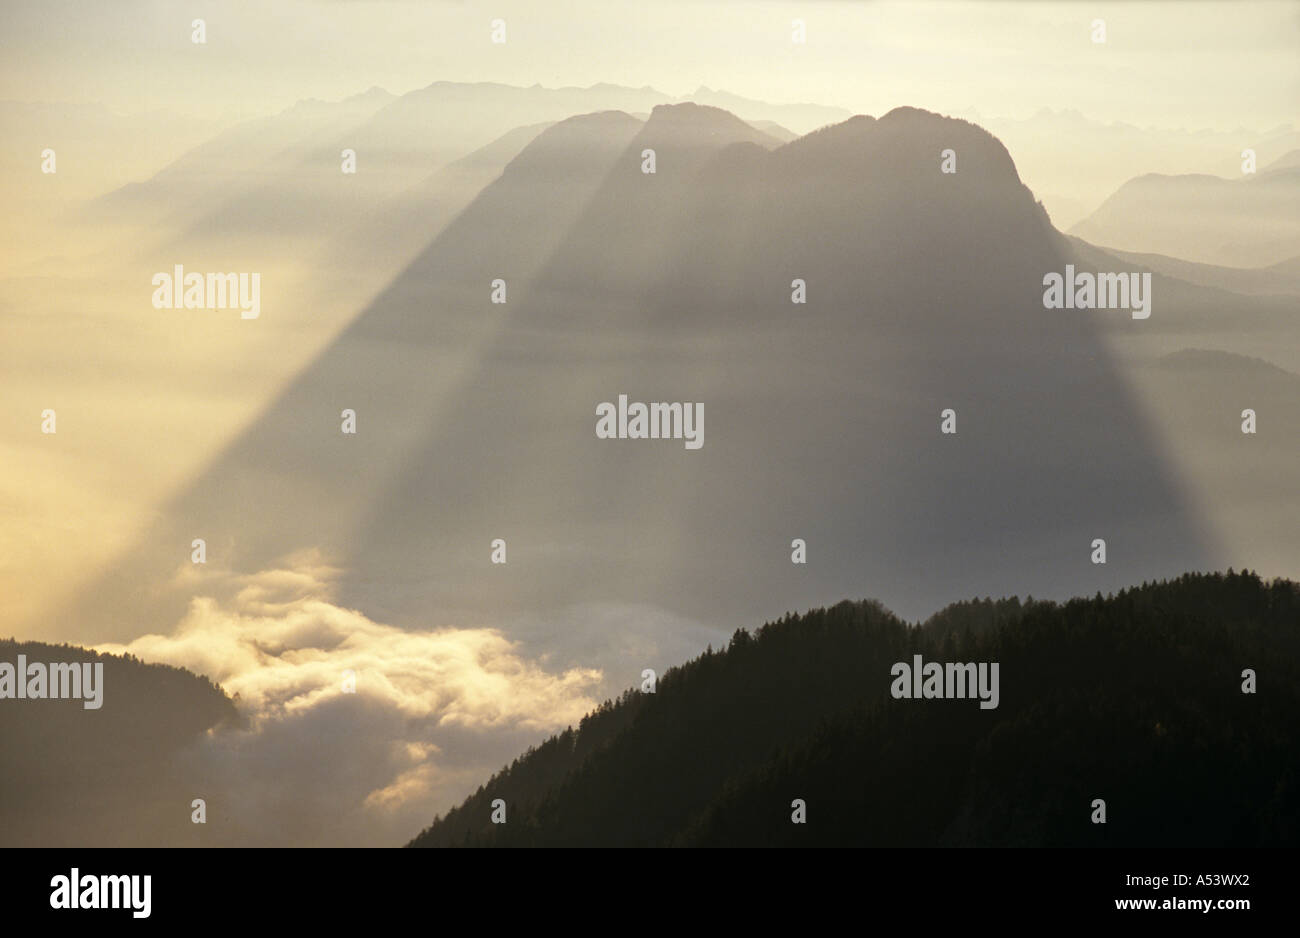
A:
476	418
1234	422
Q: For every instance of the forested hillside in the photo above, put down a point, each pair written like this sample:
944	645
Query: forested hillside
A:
1135	699
110	776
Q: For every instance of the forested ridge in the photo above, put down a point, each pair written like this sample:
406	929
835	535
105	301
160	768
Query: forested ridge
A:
112	776
1134	698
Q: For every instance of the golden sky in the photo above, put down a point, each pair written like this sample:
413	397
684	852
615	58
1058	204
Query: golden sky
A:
1198	64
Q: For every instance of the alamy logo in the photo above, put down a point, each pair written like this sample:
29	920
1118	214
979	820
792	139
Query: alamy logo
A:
103	892
57	681
179	290
1098	291
952	681
658	421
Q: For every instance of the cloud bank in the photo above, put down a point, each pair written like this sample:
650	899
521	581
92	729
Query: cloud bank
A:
433	713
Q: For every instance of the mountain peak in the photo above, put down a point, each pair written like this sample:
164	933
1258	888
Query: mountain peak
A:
908	142
692	125
556	146
690	111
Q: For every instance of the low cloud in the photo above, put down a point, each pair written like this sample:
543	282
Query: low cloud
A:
433	715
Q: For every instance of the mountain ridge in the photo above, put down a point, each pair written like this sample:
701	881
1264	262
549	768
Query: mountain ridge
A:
115	776
639	772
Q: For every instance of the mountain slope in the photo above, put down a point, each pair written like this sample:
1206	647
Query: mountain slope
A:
419	337
279	178
1250	222
1073	162
228	166
924	293
391	235
113	776
1134	698
1275	280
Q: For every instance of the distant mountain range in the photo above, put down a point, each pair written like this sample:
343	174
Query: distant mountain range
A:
1072	161
1252	221
1279	279
274	177
1135	699
278	177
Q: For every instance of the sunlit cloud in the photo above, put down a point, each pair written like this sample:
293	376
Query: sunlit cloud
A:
430	711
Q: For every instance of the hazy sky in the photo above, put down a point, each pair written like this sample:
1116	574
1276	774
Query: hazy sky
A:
1164	64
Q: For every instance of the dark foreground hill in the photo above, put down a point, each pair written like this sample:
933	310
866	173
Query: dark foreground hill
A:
111	776
1135	699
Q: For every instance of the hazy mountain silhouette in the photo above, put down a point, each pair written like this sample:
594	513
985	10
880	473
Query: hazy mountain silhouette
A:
234	164
275	182
476	420
280	177
540	193
1237	306
1279	279
1288	160
397	147
1073	162
115	776
96	150
802	118
1249	222
389	236
774	130
1135	698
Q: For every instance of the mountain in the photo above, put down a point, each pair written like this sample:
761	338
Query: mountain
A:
113	776
802	118
397	147
275	185
1134	698
774	130
1244	311
279	179
95	150
1073	162
389	237
542	190
1289	160
234	165
1279	279
476	419
1250	222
